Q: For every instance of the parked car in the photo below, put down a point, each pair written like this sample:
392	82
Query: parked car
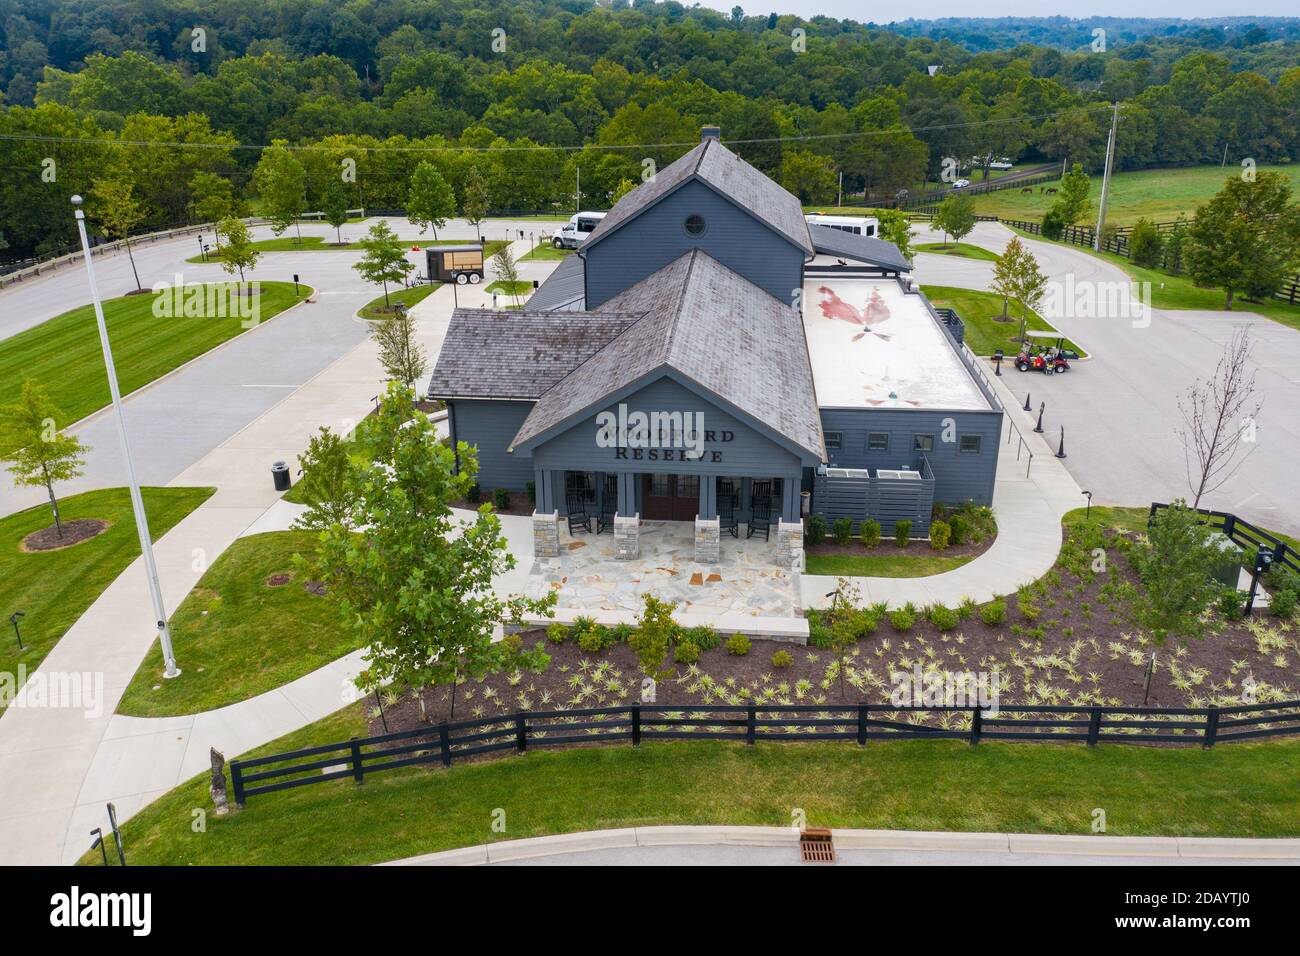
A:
961	184
575	231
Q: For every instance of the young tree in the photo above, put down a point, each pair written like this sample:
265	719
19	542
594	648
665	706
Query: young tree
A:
327	486
282	183
399	353
1006	273
1219	416
384	260
624	187
1176	566
1145	244
507	271
334	207
37	453
239	253
655	637
473	200
430	201
417	586
1247	238
896	228
1071	203
117	211
956	217
809	175
1031	287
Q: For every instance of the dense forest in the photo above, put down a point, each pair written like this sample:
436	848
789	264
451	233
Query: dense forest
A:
176	97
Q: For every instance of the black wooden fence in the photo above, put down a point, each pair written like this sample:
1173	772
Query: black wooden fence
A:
1250	537
749	723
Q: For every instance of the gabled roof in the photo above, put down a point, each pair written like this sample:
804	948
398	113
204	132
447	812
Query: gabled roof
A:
491	354
724	171
876	252
564	289
713	328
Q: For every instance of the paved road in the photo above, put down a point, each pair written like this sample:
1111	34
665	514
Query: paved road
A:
1120	408
175	422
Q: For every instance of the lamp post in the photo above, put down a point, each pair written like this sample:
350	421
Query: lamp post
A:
13	619
1088	512
137	503
203	251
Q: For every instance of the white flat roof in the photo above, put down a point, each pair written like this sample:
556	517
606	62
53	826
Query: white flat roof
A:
874	346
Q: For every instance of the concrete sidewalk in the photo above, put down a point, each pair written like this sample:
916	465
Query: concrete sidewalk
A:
779	846
1029	499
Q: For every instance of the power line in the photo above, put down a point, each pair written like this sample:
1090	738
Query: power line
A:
814	137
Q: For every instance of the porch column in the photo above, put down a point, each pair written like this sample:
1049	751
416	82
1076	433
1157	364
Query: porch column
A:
708	497
544	486
790	503
627	493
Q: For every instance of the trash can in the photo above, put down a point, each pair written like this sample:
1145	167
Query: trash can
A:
280	475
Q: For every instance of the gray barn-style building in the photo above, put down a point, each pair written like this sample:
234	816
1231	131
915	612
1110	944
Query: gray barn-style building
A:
707	356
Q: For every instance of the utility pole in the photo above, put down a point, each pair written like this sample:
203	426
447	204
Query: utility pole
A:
1105	180
840	201
137	503
577	191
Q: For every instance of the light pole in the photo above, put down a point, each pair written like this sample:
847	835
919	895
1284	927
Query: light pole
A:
137	503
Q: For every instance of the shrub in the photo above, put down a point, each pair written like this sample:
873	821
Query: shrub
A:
944	618
966	608
902	619
782	660
994	613
814	532
596	638
842	530
940	534
475	493
902	531
1232	604
864	623
870	532
686	653
1283	603
500	499
704	637
622	633
1053	224
1145	244
819	635
1029	610
556	632
957	530
738	644
531	488
511	646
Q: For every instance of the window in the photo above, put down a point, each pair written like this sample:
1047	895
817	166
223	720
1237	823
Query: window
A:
695	224
878	441
834	440
922	443
969	445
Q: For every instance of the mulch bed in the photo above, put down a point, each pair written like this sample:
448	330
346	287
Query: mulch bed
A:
520	503
915	549
74	532
1074	644
278	580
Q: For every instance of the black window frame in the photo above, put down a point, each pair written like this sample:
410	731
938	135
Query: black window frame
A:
837	443
961	442
916	445
871	436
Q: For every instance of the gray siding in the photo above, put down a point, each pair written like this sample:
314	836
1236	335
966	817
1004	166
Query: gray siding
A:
656	237
887	500
958	476
490	426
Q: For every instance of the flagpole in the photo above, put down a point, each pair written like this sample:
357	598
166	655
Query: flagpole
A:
137	502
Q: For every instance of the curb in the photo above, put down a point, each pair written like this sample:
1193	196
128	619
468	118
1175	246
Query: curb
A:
99	412
1011	844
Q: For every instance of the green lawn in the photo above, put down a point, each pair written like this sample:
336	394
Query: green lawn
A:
546	251
510	288
958	249
380	308
1135	519
919	563
984	333
54	588
287	243
64	356
237	636
1160	195
1231	790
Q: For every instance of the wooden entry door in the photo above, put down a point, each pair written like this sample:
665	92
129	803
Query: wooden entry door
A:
670	497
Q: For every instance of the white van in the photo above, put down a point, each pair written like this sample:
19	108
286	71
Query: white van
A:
857	225
576	230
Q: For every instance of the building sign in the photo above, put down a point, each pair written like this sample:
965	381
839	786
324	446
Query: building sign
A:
659	436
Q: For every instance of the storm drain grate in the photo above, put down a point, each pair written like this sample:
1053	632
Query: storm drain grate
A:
815	845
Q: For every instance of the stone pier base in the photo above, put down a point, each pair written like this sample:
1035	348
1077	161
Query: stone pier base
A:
546	535
708	540
627	537
789	545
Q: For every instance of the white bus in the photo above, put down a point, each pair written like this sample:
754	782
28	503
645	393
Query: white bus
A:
576	230
857	225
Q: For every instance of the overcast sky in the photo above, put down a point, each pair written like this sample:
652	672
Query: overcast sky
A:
932	9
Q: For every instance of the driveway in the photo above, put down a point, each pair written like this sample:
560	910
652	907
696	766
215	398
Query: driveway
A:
1120	407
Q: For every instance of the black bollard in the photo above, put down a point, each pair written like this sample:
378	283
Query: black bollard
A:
1039	427
1028	408
1060	452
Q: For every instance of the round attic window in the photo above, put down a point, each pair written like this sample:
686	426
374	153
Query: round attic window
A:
695	225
